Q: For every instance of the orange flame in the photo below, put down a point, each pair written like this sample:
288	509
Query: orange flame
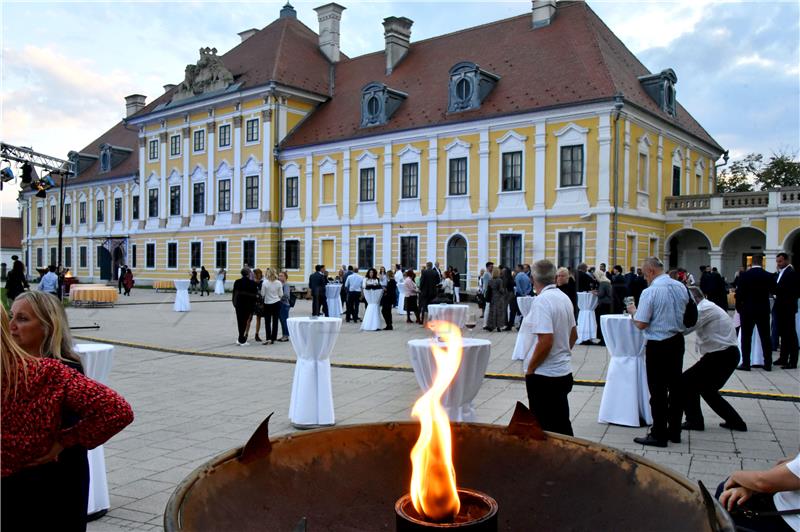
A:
433	478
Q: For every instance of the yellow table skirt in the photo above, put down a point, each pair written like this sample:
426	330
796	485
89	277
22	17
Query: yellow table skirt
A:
93	295
163	285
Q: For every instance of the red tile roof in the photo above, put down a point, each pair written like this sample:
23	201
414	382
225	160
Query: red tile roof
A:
10	232
574	60
120	136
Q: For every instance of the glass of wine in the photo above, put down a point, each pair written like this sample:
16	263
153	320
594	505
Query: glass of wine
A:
471	321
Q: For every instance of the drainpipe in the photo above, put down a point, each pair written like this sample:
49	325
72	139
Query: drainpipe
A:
725	157
618	103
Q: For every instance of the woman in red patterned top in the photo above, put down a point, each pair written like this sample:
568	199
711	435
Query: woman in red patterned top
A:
37	487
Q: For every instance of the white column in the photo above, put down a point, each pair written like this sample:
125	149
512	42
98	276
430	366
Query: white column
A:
126	223
308	244
76	255
604	172
483	156
237	170
186	189
90	252
163	198
483	242
433	161
109	207
715	259
602	243
660	170
282	117
90	212
345	244
387	182
627	165
689	172
539	211
387	245
309	188
266	166
773	244
142	178
211	200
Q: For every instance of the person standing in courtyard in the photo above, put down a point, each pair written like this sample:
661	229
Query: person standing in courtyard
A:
127	281
428	287
204	279
388	301
497	310
193	281
752	302
549	332
16	282
354	285
719	349
787	291
272	289
120	276
286	306
660	315
411	293
245	292
317	283
49	282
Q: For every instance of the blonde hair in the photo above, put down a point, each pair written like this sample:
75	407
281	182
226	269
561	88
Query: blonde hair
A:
496	273
14	361
270	275
57	341
601	277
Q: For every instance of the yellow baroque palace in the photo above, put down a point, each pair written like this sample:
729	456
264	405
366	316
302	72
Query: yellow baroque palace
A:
538	136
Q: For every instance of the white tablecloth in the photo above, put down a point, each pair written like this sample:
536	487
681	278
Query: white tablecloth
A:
333	293
457	399
756	353
312	396
524	303
181	296
97	360
626	398
587	321
456	314
372	316
219	286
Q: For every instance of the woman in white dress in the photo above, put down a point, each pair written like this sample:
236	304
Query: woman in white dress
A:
219	285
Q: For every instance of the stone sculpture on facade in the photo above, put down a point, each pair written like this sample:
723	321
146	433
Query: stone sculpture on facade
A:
208	75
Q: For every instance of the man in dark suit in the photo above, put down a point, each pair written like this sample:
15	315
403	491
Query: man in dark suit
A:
245	292
787	291
719	291
316	283
752	301
638	285
629	277
585	281
428	284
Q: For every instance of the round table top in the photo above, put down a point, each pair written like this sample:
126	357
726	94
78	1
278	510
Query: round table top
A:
310	319
466	342
447	305
332	290
94	348
181	283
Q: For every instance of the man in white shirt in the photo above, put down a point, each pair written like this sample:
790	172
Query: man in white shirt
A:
398	278
49	282
718	345
550	327
354	284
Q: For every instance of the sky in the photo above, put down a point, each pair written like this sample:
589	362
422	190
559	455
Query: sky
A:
66	66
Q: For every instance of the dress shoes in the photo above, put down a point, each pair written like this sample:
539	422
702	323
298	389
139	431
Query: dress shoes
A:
692	426
650	440
780	362
789	366
675	439
388	329
743	368
729	426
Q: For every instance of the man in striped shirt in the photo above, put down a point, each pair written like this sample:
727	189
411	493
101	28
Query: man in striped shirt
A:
660	316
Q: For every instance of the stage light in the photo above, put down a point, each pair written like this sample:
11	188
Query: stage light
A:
27	172
7	174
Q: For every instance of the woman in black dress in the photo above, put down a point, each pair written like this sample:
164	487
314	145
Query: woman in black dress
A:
16	282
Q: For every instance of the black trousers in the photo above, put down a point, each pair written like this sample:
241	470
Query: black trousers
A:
787	330
759	321
319	302
514	310
386	310
548	400
759	502
704	379
601	310
242	316
353	301
664	363
272	314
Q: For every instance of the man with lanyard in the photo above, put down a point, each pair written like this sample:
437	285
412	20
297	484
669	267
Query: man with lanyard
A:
549	334
660	317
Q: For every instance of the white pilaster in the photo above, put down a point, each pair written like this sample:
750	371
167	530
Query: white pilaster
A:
604	171
627	165
773	244
602	243
142	177
283	116
237	168
163	198
539	172
660	170
483	156
346	244
308	246
126	223
211	200
688	173
715	259
309	189
387	245
431	238
346	188
483	242
90	252
90	212
266	165
539	211
388	207
433	161
539	241
186	188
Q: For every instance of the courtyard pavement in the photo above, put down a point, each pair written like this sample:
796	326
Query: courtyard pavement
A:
196	394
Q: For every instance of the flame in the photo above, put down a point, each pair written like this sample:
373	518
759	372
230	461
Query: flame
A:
433	478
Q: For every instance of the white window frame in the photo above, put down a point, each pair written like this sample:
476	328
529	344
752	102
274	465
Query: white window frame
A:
699	170
367	160
644	147
291	170
258	131
509	143
572	135
155	255
321	239
374	248
244	239
99	196
400	248
227	253
180	146
677	160
299	254
410	155
457	149
117	194
177	255
205	140
581	230
149	150
218	138
498	234
328	166
191	242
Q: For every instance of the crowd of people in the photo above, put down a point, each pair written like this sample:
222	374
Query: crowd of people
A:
261	294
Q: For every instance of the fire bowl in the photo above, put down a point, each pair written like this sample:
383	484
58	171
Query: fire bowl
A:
348	478
478	513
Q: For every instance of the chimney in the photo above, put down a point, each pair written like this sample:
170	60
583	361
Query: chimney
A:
168	87
543	12
329	16
397	34
246	34
288	11
133	104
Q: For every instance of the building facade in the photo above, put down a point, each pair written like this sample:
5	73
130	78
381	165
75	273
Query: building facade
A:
539	136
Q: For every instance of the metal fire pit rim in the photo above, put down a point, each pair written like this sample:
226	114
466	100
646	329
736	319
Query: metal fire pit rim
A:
173	509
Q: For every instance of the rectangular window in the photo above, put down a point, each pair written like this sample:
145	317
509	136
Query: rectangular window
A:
172	254
152	203
221	254
175	200
291	254
224	203
39	257
570	249
68	214
251	128
135	207
101	211
175	145
410	180
251	192
199	198
652	248
196	254
83	257
571	166
39	216
97	256
366	253
133	256
292	192
367	185
676	180
68	257
153	150
249	252
512	171
53	256
643	178
328	189
199	140
510	250
82	212
52	215
117	209
150	255
457	185
224	136
408	252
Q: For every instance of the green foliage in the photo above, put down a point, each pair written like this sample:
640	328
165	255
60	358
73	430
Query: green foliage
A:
741	175
781	171
752	173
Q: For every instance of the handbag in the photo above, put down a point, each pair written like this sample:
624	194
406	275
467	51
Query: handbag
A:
690	312
488	295
292	299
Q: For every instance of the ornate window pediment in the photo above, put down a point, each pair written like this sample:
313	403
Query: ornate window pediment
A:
378	104
469	85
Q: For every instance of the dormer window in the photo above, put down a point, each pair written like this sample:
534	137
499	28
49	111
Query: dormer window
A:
378	104
661	88
469	85
105	158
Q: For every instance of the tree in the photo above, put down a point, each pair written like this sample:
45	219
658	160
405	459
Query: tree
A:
781	171
741	175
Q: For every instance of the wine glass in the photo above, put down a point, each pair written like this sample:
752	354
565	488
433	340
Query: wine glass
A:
472	320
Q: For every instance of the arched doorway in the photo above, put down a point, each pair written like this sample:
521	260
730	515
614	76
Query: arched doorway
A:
688	248
457	255
738	249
